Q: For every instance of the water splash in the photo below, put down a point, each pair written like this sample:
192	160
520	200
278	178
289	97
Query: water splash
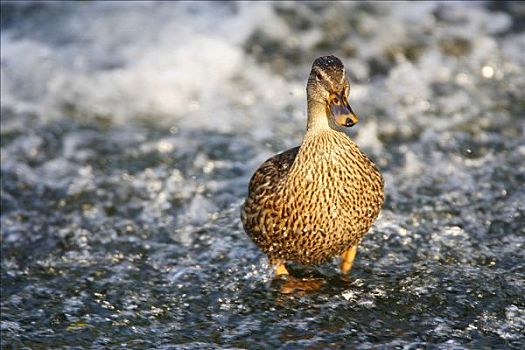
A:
126	155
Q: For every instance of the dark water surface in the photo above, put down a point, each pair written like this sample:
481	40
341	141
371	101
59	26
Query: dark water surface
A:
129	133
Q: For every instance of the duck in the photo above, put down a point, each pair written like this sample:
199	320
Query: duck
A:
316	201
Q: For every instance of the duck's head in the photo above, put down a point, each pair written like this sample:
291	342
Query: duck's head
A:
328	88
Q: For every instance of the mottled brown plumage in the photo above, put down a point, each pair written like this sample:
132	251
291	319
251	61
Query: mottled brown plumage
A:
317	200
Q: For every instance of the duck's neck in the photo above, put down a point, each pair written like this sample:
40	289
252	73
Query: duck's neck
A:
317	118
319	122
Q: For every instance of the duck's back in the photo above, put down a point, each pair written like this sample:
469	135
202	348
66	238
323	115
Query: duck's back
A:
310	203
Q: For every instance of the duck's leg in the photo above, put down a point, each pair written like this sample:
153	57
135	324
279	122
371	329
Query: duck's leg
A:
290	284
348	259
280	269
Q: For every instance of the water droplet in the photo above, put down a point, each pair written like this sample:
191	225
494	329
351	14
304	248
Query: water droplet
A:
487	72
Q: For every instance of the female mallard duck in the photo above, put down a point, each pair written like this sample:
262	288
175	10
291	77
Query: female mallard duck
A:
317	200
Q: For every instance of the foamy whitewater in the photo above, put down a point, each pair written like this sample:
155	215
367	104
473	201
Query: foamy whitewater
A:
129	132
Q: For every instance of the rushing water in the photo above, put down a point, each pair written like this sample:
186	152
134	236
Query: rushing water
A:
129	133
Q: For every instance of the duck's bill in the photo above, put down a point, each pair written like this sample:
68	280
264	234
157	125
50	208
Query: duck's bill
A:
343	114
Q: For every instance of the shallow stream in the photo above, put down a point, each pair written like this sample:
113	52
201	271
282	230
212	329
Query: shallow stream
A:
129	132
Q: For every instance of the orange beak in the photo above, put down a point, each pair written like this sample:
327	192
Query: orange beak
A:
342	112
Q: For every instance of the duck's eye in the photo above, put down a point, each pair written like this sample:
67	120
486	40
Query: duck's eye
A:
335	100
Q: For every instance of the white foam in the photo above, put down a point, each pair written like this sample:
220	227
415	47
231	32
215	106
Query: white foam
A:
179	68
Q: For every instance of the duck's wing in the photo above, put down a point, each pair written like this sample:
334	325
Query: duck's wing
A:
272	171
